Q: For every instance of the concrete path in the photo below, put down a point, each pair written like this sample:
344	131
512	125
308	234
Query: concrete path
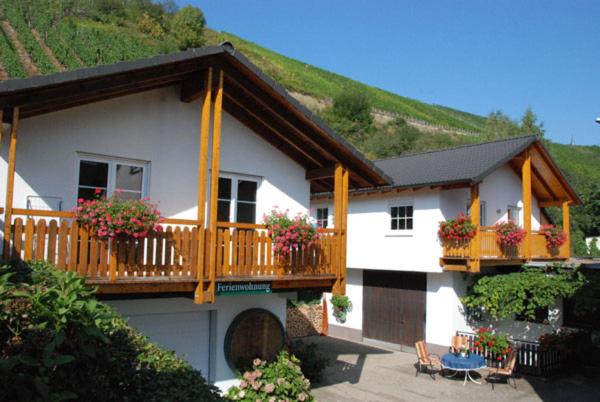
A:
363	373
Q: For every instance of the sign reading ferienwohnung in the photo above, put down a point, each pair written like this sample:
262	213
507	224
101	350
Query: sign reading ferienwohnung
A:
242	288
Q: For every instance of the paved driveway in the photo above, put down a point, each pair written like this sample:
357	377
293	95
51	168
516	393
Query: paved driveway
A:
363	373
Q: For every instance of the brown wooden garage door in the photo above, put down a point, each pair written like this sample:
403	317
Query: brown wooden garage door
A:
394	306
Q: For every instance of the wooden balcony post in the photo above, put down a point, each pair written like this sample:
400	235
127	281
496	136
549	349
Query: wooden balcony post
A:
214	187
566	228
344	231
526	178
337	222
202	177
10	182
475	212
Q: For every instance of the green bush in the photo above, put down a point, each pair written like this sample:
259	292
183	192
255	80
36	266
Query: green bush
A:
58	342
312	362
278	380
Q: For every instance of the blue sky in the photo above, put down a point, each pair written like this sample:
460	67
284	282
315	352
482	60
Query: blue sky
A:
476	56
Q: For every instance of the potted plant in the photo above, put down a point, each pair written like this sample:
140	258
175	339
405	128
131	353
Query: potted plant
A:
341	305
496	344
289	233
509	236
117	217
457	230
555	237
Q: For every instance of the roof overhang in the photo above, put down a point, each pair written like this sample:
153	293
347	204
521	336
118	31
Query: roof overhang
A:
250	96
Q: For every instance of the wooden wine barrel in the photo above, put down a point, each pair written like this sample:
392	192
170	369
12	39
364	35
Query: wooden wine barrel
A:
254	333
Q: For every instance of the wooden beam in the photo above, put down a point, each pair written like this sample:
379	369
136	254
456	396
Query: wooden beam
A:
194	88
10	182
475	212
526	180
344	231
550	203
202	178
325	172
214	187
566	228
337	223
271	134
537	177
559	176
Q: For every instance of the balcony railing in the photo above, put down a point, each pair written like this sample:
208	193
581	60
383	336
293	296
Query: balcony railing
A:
489	249
243	252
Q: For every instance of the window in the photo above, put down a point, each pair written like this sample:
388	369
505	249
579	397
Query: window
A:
482	212
242	196
401	217
322	217
514	214
111	174
541	316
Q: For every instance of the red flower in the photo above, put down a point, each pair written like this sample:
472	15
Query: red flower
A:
97	191
499	358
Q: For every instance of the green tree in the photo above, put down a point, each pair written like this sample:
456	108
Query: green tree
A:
188	27
393	139
529	124
350	116
498	126
594	250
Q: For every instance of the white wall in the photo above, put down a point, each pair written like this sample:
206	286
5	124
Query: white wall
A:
354	291
226	309
156	127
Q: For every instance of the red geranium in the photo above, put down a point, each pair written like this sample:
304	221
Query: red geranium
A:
457	229
555	236
509	234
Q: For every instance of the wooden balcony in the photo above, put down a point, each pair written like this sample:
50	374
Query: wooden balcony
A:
168	261
461	256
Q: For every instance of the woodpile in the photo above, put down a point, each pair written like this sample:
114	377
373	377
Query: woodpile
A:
304	320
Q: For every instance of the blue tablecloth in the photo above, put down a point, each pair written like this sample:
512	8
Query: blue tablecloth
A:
450	360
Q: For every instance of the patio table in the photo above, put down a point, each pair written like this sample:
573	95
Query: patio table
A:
463	364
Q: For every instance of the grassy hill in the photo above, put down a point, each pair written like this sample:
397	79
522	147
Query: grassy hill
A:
42	40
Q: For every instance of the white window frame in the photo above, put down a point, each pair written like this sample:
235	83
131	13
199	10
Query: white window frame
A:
112	162
399	232
517	210
235	177
482	212
327	219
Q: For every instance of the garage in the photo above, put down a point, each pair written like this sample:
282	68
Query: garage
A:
394	306
187	333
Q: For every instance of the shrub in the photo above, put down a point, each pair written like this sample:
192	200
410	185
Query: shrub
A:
312	362
58	342
188	27
289	233
340	305
278	380
509	234
457	229
555	237
114	216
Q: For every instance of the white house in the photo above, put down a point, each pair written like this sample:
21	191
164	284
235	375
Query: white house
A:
405	284
158	127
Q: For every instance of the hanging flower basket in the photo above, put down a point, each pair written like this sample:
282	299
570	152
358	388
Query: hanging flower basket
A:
289	233
457	230
555	237
115	217
509	236
340	305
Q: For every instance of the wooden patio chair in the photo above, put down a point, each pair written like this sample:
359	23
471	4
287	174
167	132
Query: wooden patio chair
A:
427	360
457	342
506	372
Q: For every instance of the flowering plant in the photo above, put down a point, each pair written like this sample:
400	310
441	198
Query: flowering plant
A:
495	343
280	380
509	234
110	217
289	233
341	305
555	236
457	229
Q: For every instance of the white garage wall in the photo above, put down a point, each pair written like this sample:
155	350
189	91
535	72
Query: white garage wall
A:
155	127
223	311
354	291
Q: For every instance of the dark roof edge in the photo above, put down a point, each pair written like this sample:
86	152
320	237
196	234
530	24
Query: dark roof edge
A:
508	157
562	174
307	113
36	81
